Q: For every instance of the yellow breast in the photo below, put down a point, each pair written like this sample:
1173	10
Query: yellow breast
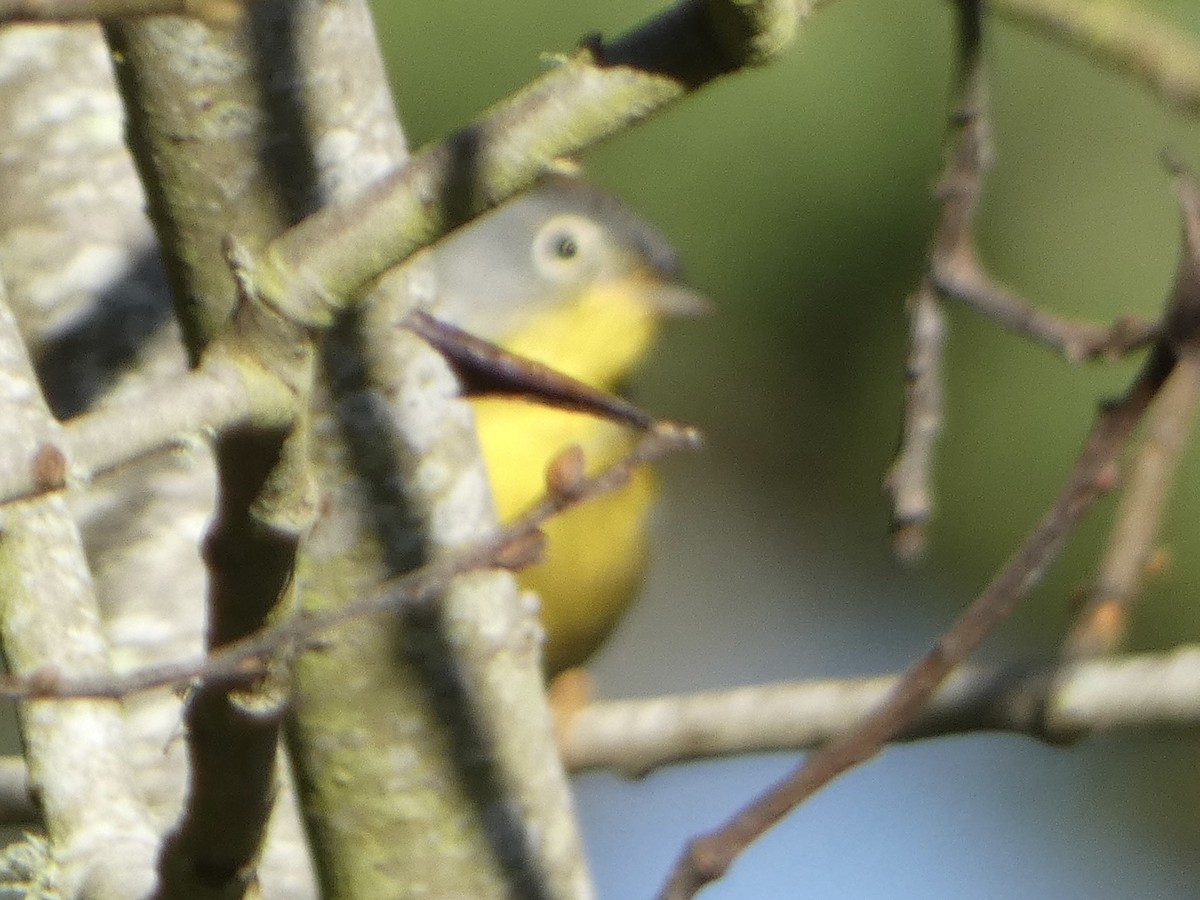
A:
596	552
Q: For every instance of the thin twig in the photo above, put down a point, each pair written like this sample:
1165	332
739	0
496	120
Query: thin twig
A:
955	271
1103	618
1053	704
242	661
708	856
908	478
199	402
224	393
954	266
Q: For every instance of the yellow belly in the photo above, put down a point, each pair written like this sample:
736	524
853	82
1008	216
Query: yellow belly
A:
596	552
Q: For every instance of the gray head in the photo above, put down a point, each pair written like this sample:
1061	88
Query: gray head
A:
545	247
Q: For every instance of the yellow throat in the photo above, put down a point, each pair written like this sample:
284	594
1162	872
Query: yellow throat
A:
567	277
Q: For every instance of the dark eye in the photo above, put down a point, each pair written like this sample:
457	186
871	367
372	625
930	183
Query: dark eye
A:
566	247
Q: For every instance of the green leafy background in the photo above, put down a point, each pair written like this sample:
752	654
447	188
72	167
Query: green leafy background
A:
799	196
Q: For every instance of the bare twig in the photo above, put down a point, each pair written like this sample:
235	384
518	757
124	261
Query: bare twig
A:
908	478
1103	618
1047	703
709	855
954	266
241	661
955	271
1056	704
225	393
199	402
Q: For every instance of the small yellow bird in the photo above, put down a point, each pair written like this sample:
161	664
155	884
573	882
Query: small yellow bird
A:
569	277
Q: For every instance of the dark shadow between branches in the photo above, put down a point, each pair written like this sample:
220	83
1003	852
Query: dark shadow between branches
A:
78	363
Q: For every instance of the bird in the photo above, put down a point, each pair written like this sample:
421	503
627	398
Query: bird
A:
568	276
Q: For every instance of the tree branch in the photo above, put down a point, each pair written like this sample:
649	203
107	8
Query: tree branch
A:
386	414
954	265
514	545
198	134
1103	618
954	270
1122	37
708	856
324	262
101	835
221	395
214	12
1053	703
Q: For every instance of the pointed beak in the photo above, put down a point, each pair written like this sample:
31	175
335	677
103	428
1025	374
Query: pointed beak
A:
667	294
677	300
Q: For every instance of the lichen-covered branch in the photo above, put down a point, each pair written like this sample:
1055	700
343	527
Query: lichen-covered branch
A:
175	414
367	741
214	12
199	132
101	835
1057	704
414	594
319	266
86	288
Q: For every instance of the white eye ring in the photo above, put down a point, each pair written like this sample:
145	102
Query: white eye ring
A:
566	247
